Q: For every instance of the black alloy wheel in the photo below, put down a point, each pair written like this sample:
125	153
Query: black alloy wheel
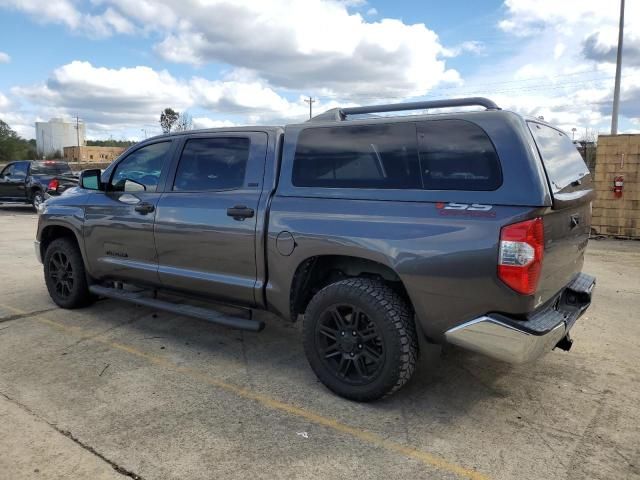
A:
350	344
360	338
61	273
65	275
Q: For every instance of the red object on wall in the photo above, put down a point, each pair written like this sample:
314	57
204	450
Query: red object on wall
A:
618	186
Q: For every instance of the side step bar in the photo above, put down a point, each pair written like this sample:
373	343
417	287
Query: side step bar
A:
208	315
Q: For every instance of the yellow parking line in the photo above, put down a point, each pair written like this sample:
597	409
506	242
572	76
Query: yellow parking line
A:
14	310
363	435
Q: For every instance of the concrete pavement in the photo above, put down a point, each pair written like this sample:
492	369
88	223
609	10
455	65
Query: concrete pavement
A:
116	390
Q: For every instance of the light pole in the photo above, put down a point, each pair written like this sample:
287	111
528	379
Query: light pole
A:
616	88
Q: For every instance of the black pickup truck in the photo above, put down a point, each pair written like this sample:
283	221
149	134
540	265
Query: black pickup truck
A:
31	181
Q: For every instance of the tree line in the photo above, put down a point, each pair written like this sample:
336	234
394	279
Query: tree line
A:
110	143
13	146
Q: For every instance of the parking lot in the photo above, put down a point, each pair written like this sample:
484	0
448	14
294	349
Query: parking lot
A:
117	391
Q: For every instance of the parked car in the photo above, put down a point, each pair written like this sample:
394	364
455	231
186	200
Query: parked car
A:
32	181
466	228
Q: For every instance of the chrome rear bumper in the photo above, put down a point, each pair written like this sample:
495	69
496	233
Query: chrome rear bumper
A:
498	340
518	341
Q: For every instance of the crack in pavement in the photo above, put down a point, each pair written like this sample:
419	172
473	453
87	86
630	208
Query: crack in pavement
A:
121	470
18	316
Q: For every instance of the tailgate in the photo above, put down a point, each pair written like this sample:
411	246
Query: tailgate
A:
568	223
66	182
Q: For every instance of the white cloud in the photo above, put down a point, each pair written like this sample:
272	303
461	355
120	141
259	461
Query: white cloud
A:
114	97
15	119
206	122
471	46
4	102
112	100
277	40
239	97
531	17
64	12
4	57
563	68
310	45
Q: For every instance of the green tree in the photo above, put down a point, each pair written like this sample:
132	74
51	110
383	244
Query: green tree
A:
168	119
12	147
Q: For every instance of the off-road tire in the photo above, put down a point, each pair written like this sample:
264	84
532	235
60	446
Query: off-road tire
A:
394	321
78	291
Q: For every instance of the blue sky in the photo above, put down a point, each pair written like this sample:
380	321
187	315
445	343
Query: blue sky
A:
117	63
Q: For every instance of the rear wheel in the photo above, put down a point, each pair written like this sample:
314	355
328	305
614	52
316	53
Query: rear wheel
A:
37	199
65	275
360	339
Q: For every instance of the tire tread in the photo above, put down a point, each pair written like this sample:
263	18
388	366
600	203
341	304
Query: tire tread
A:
399	319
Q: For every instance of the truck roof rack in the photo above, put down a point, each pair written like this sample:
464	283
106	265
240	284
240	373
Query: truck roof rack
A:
340	114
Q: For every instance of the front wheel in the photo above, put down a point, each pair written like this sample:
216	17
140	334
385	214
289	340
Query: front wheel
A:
65	275
360	339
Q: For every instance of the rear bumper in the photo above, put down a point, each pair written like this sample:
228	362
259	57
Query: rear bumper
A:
520	341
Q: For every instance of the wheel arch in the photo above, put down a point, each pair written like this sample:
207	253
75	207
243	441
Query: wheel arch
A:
35	189
316	272
55	231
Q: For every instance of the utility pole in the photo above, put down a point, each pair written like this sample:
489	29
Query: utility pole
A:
78	135
616	90
310	102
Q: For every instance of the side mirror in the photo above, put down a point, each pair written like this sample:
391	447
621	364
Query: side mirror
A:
90	179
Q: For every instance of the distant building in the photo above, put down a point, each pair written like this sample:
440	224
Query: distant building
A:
92	154
57	133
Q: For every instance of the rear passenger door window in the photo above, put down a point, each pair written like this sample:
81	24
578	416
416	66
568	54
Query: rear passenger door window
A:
457	155
382	156
212	164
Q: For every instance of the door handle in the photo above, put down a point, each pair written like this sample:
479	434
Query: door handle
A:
240	212
144	208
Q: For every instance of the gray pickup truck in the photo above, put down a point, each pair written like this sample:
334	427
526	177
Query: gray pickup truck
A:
380	231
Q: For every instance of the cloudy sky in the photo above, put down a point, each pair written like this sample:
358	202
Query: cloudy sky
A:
118	63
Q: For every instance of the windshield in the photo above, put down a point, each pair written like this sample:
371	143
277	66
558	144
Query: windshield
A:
50	168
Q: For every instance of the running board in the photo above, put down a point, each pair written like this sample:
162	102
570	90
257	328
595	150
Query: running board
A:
206	314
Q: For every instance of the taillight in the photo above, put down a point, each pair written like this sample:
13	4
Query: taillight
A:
521	252
53	184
